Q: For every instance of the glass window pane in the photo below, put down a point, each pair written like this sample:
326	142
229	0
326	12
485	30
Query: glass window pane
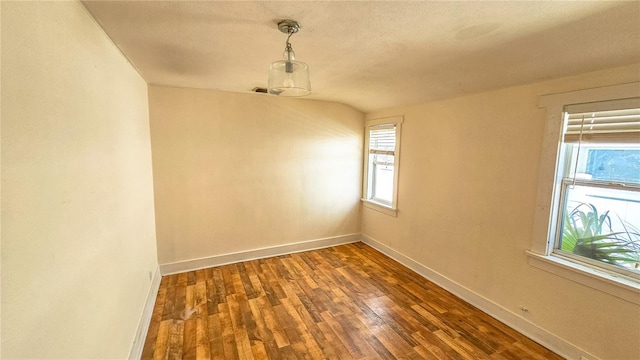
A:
383	168
614	164
602	224
603	162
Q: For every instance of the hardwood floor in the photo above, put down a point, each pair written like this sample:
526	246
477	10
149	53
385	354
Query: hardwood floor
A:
344	302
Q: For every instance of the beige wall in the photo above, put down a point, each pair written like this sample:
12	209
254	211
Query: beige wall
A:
467	193
78	235
237	172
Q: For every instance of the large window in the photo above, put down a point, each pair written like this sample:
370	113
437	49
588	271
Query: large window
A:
381	162
597	209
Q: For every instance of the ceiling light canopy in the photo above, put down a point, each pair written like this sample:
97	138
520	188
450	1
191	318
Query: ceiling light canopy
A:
289	77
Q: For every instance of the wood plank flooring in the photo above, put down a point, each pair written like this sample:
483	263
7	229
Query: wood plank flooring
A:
344	302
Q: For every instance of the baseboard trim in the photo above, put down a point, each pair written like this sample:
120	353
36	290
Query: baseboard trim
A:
196	264
145	320
524	326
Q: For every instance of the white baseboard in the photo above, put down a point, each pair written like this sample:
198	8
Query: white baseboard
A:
524	326
196	264
145	319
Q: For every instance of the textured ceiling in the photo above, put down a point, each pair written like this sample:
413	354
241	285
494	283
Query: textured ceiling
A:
372	54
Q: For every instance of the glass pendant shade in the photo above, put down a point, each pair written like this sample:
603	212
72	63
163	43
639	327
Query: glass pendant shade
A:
289	78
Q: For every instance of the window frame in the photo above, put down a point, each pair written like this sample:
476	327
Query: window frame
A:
550	190
389	208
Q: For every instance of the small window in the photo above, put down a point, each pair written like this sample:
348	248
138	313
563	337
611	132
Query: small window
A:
381	162
598	210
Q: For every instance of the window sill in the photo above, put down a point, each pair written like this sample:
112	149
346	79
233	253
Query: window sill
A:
380	207
617	286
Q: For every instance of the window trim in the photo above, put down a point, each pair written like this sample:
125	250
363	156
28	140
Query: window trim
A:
384	207
591	276
549	190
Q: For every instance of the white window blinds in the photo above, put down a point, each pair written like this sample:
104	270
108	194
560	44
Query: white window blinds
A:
382	139
604	122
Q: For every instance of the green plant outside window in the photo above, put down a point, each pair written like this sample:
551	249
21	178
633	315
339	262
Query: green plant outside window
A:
589	232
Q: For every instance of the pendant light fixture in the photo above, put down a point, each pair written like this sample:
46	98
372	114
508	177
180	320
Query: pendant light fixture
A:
289	77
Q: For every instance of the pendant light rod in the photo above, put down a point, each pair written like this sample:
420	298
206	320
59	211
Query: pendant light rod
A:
290	27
